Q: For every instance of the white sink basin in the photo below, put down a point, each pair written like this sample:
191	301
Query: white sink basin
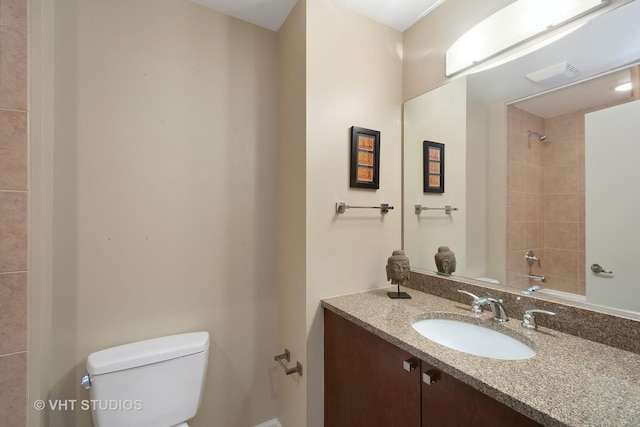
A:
473	339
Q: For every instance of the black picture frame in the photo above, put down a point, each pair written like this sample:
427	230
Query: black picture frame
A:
365	158
433	167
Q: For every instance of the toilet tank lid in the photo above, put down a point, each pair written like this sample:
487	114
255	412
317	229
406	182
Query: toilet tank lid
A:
146	352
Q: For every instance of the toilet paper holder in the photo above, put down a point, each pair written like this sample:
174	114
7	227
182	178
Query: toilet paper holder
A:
287	356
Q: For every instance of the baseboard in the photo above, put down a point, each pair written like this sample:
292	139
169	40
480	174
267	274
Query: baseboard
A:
272	423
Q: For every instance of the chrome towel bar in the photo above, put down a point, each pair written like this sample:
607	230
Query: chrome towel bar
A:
447	209
341	207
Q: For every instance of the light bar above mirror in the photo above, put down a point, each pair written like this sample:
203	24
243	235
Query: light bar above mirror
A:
513	26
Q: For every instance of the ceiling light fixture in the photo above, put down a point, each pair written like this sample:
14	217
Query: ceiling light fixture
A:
512	26
623	87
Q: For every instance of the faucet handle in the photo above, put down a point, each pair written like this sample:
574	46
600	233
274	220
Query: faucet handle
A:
529	321
475	306
497	306
530	257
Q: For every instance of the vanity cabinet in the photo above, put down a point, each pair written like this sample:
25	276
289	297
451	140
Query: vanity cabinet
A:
450	402
365	381
370	382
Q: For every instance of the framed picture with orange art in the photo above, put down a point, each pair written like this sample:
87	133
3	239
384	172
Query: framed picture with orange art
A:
433	164
365	158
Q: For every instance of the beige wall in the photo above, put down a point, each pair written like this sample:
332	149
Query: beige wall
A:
439	116
292	208
354	75
14	196
425	43
163	195
164	218
337	69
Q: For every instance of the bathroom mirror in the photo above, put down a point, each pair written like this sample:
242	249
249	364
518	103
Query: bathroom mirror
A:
491	231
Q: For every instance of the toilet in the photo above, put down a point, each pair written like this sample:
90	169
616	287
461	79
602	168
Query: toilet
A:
153	383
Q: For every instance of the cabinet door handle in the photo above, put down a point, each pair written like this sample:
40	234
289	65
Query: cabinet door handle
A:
430	377
409	365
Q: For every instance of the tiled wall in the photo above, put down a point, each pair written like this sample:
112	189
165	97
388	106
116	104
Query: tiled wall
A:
525	215
546	199
14	194
563	202
545	202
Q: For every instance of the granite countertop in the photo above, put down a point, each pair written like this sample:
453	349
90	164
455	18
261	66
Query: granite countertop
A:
570	382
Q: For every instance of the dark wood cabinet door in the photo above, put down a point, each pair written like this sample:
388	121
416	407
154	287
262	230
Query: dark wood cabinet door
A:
365	381
451	403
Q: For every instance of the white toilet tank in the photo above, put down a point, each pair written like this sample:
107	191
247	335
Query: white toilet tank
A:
153	383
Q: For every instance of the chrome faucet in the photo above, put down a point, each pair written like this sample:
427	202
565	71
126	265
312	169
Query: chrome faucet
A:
475	307
529	321
497	305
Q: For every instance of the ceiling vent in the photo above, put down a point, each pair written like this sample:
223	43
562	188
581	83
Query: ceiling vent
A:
555	73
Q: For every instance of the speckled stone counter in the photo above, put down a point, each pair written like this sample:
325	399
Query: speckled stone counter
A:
570	382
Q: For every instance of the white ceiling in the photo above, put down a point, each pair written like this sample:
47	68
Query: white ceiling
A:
398	14
270	14
506	82
583	96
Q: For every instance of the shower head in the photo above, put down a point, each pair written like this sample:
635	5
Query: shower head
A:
540	136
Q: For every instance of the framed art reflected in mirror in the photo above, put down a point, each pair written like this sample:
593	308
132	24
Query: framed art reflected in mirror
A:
433	167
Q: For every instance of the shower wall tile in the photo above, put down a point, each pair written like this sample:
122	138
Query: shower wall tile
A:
13	150
515	177
516	233
561	235
561	263
516	146
560	207
581	236
13	211
516	206
13	13
556	229
533	122
13	392
581	267
13	231
559	151
560	180
517	265
533	232
532	151
13	312
581	209
581	176
560	127
13	69
532	178
533	204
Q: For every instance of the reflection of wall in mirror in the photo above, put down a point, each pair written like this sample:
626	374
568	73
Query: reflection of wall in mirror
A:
436	116
546	199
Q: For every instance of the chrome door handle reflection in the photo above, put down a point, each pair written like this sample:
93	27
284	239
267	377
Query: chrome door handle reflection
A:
596	268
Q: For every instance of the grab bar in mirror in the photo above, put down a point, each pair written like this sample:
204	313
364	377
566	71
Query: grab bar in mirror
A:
341	207
447	209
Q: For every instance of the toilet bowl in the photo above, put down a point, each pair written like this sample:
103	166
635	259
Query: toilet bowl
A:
136	384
